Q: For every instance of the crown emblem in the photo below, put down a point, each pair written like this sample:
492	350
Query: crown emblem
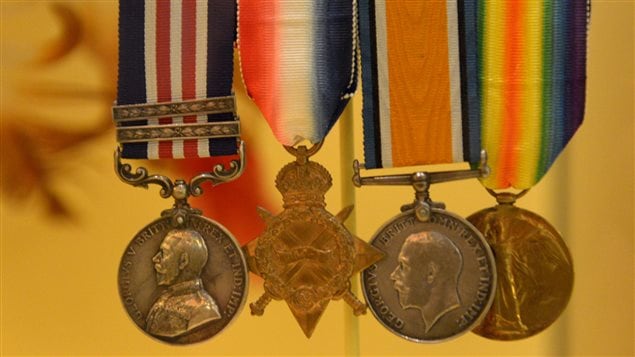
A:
303	182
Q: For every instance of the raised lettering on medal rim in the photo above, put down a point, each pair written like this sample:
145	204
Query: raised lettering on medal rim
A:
201	300
454	296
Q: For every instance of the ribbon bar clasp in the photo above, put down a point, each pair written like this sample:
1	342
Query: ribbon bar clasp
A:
418	178
421	182
134	112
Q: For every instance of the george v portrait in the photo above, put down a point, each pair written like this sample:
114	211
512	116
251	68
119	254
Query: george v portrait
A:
427	275
185	305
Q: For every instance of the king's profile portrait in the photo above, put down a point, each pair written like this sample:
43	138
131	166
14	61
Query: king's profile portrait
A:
427	275
185	305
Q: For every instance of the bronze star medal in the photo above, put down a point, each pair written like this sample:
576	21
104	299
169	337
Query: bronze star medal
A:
305	255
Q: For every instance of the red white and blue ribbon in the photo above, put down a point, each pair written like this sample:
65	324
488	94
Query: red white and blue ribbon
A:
173	51
298	61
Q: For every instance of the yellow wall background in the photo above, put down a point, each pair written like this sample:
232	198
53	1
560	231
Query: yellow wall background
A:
59	275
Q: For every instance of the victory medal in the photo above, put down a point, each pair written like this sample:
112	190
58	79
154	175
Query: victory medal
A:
535	270
531	82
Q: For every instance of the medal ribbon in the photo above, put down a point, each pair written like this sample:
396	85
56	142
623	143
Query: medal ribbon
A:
531	78
443	78
298	61
180	53
411	77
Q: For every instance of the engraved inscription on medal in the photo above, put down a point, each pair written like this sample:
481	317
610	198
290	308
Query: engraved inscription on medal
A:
126	269
437	278
484	263
375	298
183	285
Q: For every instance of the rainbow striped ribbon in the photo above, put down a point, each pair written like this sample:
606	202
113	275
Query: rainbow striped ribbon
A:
443	78
174	51
298	60
531	82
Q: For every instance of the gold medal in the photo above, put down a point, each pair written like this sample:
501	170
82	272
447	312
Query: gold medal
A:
534	267
305	255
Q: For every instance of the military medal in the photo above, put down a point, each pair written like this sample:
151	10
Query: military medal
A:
183	278
299	63
437	279
530	100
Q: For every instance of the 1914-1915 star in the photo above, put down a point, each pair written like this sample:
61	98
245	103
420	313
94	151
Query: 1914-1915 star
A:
306	255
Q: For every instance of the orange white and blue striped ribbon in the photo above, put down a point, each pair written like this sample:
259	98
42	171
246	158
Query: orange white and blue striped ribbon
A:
298	61
174	51
411	79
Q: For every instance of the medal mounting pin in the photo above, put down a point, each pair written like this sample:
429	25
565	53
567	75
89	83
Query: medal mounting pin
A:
180	189
421	182
506	198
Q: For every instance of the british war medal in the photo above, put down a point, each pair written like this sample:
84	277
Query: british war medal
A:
438	276
437	279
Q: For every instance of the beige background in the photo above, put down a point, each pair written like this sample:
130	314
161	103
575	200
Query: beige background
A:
58	287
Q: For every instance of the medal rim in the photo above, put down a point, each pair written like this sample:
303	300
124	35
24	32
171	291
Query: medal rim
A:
561	241
488	252
245	270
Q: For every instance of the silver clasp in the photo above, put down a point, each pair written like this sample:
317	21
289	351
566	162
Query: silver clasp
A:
421	182
179	189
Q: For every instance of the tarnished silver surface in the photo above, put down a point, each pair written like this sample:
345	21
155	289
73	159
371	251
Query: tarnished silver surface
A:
218	175
183	285
420	177
122	113
167	132
437	278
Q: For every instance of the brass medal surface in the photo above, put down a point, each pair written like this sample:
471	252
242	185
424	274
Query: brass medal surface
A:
535	271
183	283
306	255
437	278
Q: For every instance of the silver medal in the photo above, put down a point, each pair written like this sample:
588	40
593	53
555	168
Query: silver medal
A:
436	280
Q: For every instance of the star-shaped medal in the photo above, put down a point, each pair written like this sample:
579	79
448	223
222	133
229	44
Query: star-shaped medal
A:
305	255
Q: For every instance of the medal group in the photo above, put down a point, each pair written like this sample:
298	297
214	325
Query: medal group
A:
497	84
